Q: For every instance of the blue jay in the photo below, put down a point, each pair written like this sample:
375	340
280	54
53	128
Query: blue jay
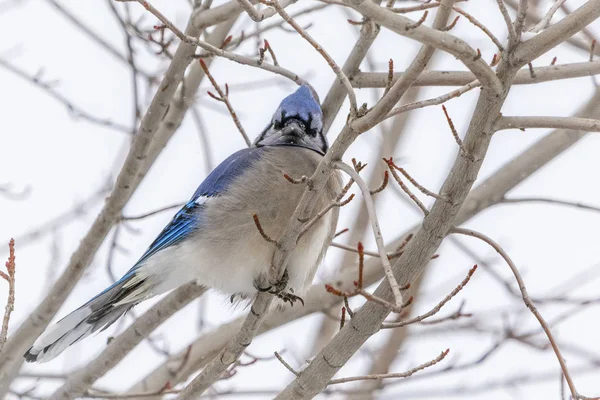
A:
213	239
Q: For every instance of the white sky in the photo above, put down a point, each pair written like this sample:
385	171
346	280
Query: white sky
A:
64	161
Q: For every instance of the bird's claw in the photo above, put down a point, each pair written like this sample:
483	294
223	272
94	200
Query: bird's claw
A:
278	289
290	297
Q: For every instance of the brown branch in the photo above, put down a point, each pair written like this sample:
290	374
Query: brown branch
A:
435	309
527	301
386	177
336	69
457	138
452	24
434	101
262	232
285	364
479	25
393	375
416	184
511	29
9	277
418	23
405	188
505	200
224	98
151	213
188	39
320	214
271	52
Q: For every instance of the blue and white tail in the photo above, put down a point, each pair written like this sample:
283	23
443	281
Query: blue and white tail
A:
98	313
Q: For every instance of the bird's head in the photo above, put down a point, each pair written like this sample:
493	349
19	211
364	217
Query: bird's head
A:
298	121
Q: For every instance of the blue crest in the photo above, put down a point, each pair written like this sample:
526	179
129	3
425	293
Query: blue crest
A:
302	104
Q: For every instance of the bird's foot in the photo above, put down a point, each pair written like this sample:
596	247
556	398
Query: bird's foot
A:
278	289
290	297
273	289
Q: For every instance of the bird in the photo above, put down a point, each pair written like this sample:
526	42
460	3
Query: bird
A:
214	239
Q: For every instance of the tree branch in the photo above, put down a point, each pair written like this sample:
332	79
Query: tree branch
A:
556	34
527	301
462	78
144	150
79	382
440	40
571	123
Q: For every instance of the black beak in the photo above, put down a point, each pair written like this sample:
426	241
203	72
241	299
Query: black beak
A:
293	127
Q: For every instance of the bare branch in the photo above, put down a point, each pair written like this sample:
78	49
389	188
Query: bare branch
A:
393	375
224	97
433	102
512	35
513	200
163	117
79	382
74	110
519	21
336	69
368	199
460	78
9	277
485	195
440	40
527	300
545	22
478	24
557	33
574	123
188	39
337	93
435	309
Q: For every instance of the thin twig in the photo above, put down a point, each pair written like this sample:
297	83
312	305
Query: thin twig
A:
545	22
9	277
336	69
216	50
526	300
368	199
433	102
416	184
511	29
151	213
392	375
389	83
452	24
457	138
285	364
435	309
531	70
479	25
271	52
262	232
224	98
520	21
386	178
405	188
550	201
421	7
72	108
320	214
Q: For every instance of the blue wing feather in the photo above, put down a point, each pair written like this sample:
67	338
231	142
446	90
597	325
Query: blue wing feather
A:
187	218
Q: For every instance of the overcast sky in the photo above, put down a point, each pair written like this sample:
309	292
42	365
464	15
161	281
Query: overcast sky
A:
60	162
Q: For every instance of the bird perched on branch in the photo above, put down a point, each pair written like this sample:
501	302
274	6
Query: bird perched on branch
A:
214	238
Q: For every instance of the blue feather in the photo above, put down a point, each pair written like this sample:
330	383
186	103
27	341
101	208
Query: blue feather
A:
187	218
